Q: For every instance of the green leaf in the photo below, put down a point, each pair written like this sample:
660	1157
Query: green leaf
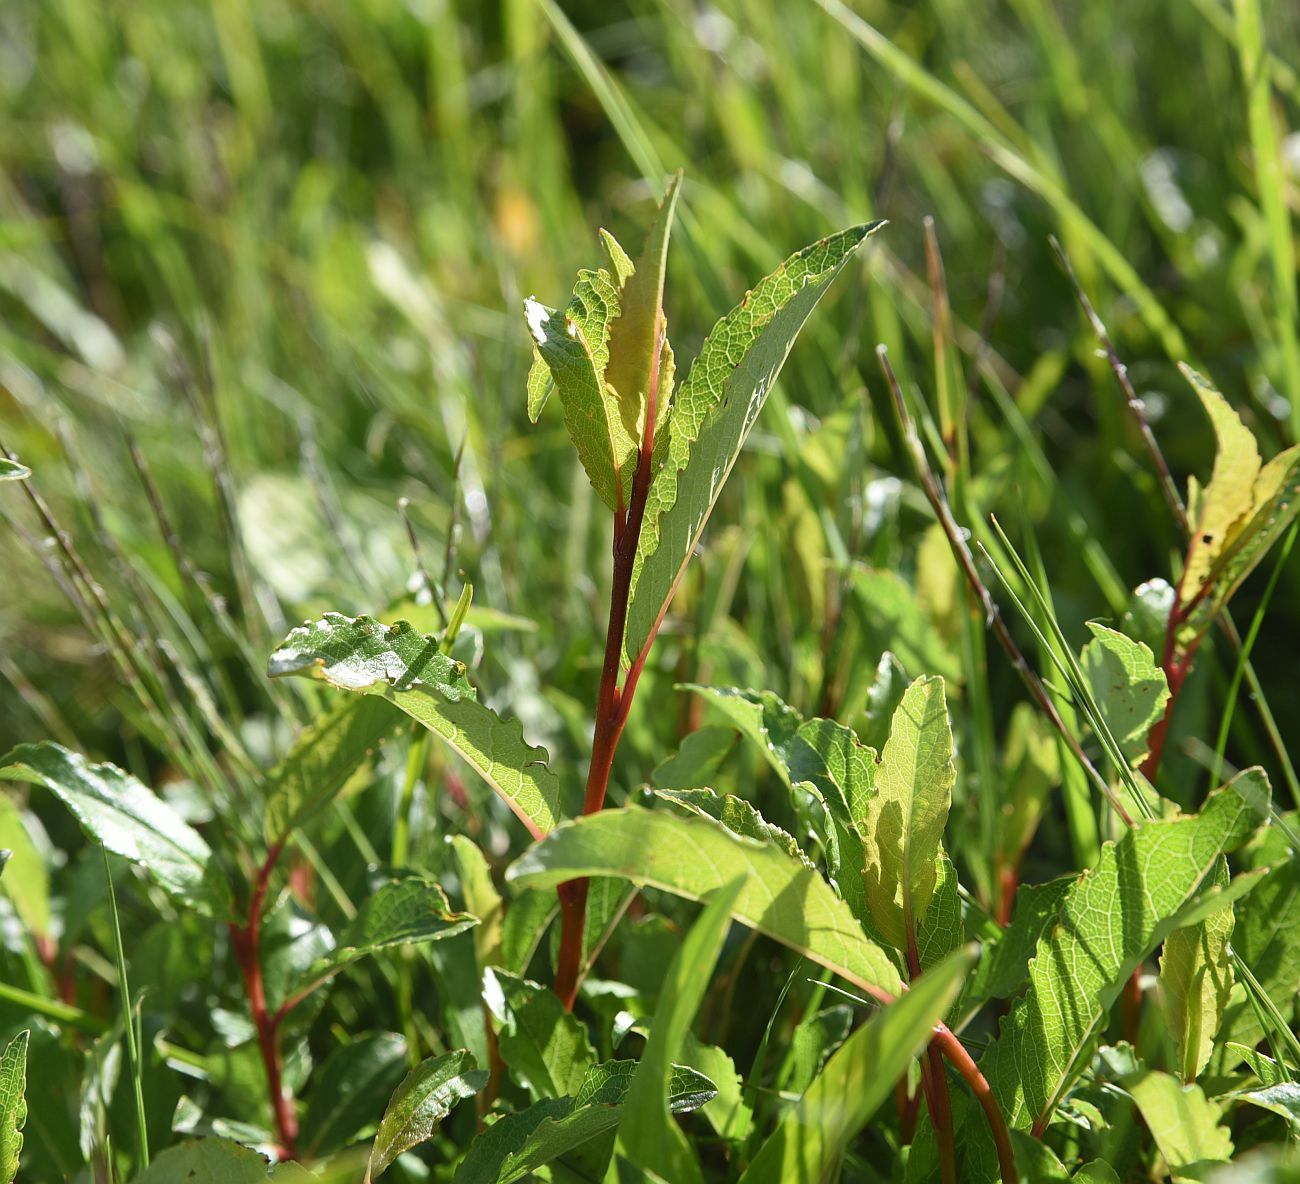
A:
1031	765
12	470
815	1038
711	416
736	814
405	667
1146	885
427	1094
482	899
26	880
400	912
893	617
1214	512
635	335
117	810
761	717
13	1104
218	1161
326	754
647	1135
904	820
697	761
544	1046
692	857
344	1089
1096	1172
1236	518
1004	966
591	411
1129	687
1184	1124
728	1113
518	1144
1196	980
813	1134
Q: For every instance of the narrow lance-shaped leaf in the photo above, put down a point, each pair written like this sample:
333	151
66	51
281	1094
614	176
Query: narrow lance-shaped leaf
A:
326	754
425	1097
692	857
1196	981
518	1144
344	1089
404	666
13	1105
1223	549
812	1136
1146	885
712	414
647	1136
131	821
635	335
904	819
400	912
1214	511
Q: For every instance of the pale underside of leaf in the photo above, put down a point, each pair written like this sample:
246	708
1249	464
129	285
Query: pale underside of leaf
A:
1144	886
692	857
634	335
905	818
361	655
13	1104
712	414
1227	498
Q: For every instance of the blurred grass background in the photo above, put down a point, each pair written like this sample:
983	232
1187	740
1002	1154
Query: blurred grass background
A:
278	249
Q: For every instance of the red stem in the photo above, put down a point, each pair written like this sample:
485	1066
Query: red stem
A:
612	705
961	1060
933	1080
246	940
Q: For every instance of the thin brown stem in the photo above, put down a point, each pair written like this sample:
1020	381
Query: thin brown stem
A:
962	553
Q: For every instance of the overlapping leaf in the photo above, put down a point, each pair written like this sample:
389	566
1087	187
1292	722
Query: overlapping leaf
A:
712	414
518	1144
1146	885
545	1047
404	666
1130	688
693	857
117	810
427	1094
811	1138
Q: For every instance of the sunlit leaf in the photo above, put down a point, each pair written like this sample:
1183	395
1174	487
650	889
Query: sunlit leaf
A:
1184	1124
13	1105
405	667
1130	688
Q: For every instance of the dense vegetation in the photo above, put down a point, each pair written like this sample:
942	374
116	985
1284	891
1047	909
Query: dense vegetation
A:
462	722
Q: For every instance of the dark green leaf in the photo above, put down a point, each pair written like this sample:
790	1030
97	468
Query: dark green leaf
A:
544	1046
345	1088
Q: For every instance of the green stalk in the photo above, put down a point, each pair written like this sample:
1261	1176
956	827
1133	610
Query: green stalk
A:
128	1013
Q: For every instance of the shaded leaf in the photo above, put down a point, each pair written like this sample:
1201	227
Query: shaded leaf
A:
813	1134
544	1046
518	1144
399	912
693	857
1184	1124
326	754
697	761
427	1094
345	1088
1196	980
647	1135
117	810
903	821
218	1161
359	654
